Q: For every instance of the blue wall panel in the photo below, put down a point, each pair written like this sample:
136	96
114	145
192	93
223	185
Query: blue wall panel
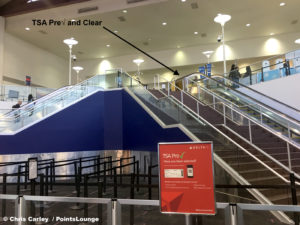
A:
140	130
76	128
107	120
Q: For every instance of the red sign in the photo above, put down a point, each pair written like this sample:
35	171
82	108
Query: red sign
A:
186	175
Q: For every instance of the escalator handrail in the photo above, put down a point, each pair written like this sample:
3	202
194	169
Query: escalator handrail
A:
288	140
283	115
258	92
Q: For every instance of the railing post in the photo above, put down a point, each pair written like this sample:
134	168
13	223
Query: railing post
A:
224	112
181	96
233	213
121	171
47	181
131	197
261	117
115	183
138	175
116	213
32	205
149	182
42	194
289	155
294	196
168	89
4	191
214	101
262	75
19	179
100	195
250	132
20	211
85	194
104	177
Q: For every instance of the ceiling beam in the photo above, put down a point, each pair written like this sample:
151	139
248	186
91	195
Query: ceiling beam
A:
18	7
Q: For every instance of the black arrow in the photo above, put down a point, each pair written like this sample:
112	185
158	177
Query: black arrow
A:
175	72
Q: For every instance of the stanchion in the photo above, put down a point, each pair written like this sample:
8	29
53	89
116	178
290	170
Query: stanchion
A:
104	177
25	176
47	182
19	180
100	191
98	168
78	182
120	171
53	173
294	196
41	204
75	178
32	205
115	183
85	194
132	197
4	191
110	167
145	168
138	175
51	177
149	182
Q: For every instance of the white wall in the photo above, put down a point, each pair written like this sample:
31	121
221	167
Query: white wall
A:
22	58
240	49
285	90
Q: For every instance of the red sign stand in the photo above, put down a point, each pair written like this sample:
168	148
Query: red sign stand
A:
186	174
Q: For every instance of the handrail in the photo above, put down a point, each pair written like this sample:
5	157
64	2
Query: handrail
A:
240	147
41	101
284	138
285	116
258	92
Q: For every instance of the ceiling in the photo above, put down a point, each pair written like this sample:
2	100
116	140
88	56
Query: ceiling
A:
143	26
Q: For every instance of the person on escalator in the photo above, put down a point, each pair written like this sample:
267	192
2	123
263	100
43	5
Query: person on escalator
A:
234	75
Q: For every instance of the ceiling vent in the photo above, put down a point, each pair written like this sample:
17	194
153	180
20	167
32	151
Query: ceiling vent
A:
135	1
122	18
88	9
42	32
194	5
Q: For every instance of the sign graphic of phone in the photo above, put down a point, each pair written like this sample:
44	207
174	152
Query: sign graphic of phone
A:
190	171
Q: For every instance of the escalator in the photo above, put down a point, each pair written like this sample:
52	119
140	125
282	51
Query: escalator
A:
244	165
229	92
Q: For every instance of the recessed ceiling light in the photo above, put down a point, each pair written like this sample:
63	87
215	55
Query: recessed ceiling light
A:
116	31
195	32
164	23
30	1
282	4
108	46
27	28
124	11
297	41
248	25
271	34
73	20
183	0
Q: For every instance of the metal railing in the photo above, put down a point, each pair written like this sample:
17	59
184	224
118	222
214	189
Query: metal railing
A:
233	213
225	104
